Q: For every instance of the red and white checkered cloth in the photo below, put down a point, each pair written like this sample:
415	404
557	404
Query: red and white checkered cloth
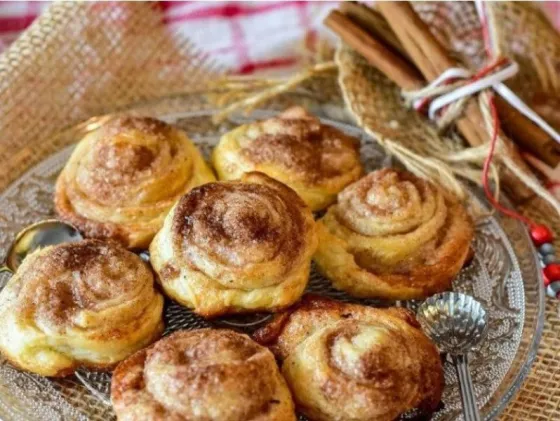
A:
245	37
249	36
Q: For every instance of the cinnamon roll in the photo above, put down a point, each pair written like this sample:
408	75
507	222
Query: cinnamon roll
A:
314	159
236	246
78	304
201	375
351	362
393	235
123	178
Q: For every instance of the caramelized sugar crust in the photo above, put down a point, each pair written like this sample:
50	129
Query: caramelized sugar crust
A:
123	178
393	235
206	375
346	361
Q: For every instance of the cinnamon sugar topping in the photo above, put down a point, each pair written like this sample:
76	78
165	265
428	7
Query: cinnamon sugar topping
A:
200	375
299	142
71	277
242	222
145	125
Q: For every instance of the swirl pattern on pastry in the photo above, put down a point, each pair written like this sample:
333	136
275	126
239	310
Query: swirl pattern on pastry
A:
123	178
201	375
236	246
351	362
78	304
314	159
393	235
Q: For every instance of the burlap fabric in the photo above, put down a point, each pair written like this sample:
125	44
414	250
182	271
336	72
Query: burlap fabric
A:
83	59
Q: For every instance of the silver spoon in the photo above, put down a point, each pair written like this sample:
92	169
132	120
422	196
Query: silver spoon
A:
456	323
41	234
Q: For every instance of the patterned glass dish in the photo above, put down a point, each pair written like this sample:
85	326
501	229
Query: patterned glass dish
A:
504	276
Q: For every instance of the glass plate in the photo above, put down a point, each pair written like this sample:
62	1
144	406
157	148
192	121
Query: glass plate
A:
504	276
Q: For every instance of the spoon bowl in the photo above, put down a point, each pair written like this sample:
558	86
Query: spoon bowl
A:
35	236
456	323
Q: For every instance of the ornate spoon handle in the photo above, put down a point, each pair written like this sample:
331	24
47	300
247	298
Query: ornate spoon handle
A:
470	410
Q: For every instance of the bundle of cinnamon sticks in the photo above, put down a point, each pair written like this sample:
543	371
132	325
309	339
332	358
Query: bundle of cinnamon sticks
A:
398	43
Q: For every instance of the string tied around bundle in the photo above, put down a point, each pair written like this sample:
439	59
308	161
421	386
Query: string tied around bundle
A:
445	96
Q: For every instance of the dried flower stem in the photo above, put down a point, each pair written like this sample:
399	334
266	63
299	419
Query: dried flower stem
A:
266	89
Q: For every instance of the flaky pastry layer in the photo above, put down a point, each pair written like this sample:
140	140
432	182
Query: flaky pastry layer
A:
351	362
236	246
393	235
78	304
201	375
314	159
123	178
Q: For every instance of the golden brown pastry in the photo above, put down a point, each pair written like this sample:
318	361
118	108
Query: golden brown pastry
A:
393	235
350	362
88	304
314	159
123	178
201	375
236	246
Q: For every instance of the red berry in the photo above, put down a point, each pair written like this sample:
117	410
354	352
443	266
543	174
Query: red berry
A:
552	272
541	234
545	279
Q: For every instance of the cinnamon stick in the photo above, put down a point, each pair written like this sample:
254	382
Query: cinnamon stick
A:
374	23
407	77
529	136
393	67
526	133
390	64
547	105
431	59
